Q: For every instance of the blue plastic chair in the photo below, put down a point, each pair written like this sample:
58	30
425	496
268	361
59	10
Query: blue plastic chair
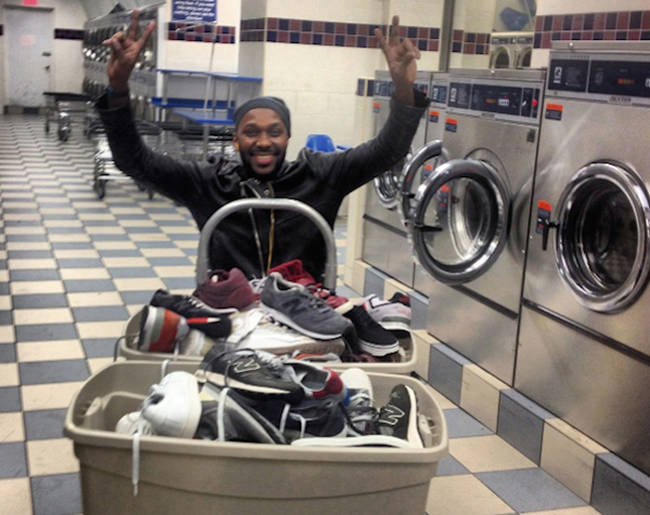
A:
322	143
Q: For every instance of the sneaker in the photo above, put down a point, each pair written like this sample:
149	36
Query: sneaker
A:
399	417
187	306
318	382
160	330
173	407
358	404
226	290
237	421
373	338
293	305
393	314
310	418
254	374
329	358
132	423
293	271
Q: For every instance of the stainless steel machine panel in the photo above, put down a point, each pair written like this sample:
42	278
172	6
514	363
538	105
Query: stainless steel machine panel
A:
387	251
593	387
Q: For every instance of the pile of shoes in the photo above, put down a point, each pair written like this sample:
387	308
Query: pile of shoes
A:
255	396
290	314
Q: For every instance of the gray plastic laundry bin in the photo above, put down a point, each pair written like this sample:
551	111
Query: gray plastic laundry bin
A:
194	476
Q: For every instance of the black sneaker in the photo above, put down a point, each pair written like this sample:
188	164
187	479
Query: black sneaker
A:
239	422
187	306
254	374
399	417
373	338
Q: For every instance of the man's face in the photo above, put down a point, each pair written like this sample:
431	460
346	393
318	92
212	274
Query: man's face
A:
262	139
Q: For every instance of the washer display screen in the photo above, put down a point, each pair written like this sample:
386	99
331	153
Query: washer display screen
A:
620	78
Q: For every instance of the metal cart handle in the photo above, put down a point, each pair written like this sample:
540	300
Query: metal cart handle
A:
203	258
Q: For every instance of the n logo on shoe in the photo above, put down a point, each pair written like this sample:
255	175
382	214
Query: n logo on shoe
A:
247	365
294	306
391	415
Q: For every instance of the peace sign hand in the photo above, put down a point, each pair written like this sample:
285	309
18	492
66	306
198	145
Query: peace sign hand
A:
126	50
400	56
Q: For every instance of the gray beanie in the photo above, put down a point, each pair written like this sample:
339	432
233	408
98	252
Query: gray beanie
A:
274	103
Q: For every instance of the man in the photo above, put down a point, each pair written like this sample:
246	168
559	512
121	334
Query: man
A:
256	242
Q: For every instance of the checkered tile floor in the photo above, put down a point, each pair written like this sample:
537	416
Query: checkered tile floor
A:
72	270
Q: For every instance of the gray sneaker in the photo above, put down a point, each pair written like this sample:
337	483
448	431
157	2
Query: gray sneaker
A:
292	304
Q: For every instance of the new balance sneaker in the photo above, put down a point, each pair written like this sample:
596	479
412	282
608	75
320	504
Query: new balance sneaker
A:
310	418
399	417
317	382
133	423
187	306
236	421
254	374
358	404
226	289
393	314
160	330
293	305
293	271
373	338
173	407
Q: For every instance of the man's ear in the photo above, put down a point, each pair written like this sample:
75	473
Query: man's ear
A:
235	142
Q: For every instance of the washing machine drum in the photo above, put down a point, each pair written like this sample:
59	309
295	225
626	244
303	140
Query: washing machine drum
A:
603	241
459	224
388	185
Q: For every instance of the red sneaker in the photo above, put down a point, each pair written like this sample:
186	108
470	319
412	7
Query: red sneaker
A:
226	290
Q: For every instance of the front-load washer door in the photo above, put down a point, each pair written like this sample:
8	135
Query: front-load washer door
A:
416	170
500	58
460	221
602	244
388	185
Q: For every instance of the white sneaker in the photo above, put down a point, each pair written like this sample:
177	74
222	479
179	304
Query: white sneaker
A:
131	423
173	407
359	403
393	314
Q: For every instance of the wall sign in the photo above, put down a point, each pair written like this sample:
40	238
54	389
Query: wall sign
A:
194	10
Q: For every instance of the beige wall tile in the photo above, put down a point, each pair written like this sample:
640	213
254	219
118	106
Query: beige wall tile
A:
48	396
463	495
341	243
18	204
16	496
88	204
186	244
115	245
358	280
28	245
29	287
125	262
58	211
46	457
32	264
569	460
139	284
162	252
487	453
100	329
20	217
11	428
50	351
62	223
7	334
442	401
93	299
43	316
165	216
24	230
96	216
59	238
104	229
137	223
5	302
149	237
479	395
9	374
84	273
4	275
179	229
76	254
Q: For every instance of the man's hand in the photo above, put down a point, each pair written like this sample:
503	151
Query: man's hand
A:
126	50
400	56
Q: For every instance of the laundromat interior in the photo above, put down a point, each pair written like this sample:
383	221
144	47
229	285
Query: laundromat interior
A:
518	225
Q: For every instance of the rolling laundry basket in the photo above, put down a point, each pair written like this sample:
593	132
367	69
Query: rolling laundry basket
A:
203	476
329	281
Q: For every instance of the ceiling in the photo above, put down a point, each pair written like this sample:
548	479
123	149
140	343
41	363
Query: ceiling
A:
95	8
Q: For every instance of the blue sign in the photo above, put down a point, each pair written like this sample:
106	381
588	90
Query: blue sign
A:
194	10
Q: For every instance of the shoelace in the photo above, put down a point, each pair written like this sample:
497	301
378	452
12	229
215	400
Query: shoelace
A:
360	410
257	285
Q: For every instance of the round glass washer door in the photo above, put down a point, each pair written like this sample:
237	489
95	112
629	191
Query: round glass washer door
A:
460	220
388	185
603	240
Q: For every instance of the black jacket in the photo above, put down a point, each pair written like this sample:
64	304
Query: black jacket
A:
320	180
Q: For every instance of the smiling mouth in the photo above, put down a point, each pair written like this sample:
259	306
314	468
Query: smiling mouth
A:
264	160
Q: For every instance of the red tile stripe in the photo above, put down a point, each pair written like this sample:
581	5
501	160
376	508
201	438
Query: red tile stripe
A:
593	26
205	33
477	43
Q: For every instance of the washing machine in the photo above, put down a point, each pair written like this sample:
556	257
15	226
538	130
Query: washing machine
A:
470	222
385	244
511	49
584	344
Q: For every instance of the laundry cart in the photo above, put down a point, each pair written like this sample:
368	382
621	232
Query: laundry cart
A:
127	344
63	108
177	475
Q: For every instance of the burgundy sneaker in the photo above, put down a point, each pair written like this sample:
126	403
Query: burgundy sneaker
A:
294	272
160	329
226	290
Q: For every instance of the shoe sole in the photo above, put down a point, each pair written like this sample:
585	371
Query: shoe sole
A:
355	441
413	433
284	319
220	380
378	350
334	346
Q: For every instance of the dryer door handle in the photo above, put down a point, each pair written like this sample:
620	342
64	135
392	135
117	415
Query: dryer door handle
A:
548	225
428	228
